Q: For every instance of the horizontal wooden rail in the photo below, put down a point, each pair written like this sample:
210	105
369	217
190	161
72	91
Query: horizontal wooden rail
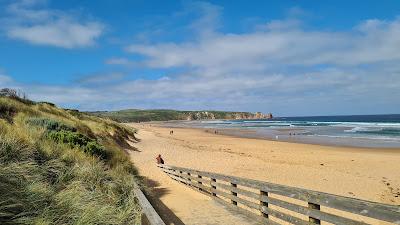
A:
252	195
149	214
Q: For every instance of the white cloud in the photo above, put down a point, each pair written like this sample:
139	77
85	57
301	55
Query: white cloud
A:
281	63
4	80
290	46
119	61
30	21
100	78
209	19
322	91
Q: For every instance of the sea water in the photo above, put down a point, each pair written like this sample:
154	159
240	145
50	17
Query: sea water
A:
355	130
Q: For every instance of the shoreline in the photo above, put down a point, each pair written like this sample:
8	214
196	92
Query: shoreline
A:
365	173
240	133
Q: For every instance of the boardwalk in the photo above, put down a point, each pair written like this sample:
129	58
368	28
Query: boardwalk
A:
176	203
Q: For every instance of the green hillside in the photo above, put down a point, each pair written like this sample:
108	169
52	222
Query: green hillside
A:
63	167
136	115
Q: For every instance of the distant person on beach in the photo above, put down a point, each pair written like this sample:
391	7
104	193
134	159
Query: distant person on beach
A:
160	160
171	132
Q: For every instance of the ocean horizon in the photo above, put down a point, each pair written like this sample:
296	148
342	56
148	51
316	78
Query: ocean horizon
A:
373	131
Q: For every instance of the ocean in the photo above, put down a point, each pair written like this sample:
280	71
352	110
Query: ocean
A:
375	131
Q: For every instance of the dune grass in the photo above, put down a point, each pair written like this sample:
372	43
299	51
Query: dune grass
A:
63	167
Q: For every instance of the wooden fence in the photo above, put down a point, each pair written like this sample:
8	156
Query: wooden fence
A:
149	214
274	203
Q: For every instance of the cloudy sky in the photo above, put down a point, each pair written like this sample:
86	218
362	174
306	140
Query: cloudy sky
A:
286	57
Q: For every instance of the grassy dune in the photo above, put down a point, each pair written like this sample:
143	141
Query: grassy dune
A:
63	167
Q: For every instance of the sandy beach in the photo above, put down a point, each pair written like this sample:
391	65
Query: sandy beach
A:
369	174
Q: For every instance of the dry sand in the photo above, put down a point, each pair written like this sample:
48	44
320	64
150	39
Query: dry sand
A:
370	174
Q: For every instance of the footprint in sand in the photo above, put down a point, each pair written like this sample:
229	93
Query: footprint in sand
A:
394	192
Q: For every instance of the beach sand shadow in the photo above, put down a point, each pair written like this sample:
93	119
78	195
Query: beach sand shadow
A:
153	194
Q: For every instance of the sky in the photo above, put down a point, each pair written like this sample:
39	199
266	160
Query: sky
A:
288	57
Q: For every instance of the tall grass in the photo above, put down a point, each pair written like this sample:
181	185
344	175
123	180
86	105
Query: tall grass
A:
47	181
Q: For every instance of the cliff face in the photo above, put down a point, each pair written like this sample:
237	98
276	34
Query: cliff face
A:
204	115
134	115
200	116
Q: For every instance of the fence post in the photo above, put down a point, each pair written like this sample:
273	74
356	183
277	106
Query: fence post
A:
234	193
199	182
214	187
312	219
263	204
181	173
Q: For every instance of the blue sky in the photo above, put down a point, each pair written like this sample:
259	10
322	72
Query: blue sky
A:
286	57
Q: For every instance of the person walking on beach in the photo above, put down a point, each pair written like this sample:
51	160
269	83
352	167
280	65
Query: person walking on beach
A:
160	160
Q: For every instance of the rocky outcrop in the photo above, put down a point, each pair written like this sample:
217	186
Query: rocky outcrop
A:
200	116
205	115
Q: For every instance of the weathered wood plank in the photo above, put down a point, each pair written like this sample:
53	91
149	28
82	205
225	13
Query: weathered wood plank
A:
198	181
246	212
313	219
214	187
324	216
149	212
234	193
389	213
263	203
275	213
284	216
237	190
249	204
201	180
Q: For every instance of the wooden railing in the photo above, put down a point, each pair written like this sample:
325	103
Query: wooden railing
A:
149	214
276	204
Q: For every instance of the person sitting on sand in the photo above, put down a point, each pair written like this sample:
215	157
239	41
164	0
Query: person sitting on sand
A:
160	160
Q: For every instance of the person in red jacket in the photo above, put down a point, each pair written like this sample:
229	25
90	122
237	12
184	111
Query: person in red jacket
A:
160	160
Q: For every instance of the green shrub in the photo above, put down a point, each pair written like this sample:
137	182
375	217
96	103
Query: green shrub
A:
93	148
74	139
47	103
49	124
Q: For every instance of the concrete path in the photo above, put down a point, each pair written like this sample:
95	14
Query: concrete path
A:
176	203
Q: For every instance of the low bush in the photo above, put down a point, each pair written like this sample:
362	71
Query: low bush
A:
47	103
49	124
94	148
75	139
7	112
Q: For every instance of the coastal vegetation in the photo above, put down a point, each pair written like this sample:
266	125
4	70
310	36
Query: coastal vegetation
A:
63	167
137	115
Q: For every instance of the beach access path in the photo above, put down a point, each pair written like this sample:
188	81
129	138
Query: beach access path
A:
369	174
176	203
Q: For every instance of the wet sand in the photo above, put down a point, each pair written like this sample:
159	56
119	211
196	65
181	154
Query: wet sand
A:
370	174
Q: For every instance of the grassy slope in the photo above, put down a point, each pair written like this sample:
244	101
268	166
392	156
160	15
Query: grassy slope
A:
44	180
134	115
